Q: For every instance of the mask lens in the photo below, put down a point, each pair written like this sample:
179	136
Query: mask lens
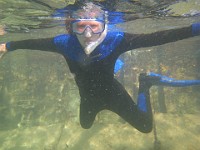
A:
79	26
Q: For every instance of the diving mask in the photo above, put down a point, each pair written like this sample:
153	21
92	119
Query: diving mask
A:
79	26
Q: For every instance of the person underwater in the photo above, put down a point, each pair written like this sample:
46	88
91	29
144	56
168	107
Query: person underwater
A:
91	50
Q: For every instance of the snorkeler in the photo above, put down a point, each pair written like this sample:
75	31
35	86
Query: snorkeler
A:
91	51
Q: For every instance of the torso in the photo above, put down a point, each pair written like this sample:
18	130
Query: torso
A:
98	68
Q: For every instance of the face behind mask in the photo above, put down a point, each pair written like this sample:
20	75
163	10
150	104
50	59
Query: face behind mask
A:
90	41
90	37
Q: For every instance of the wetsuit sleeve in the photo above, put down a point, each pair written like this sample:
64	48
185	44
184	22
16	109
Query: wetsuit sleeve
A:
34	44
132	41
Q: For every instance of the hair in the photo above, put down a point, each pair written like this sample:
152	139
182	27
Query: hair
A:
86	11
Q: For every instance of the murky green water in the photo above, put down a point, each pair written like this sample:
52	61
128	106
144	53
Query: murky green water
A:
39	100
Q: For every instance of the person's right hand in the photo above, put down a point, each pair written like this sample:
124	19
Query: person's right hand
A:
3	50
3	47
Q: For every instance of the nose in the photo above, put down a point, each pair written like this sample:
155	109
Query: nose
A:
88	32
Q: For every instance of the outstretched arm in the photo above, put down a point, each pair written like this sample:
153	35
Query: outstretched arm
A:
34	44
133	41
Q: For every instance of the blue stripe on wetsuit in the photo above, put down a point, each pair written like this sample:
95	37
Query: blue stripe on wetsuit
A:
142	102
118	65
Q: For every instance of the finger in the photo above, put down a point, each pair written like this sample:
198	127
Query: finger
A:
1	54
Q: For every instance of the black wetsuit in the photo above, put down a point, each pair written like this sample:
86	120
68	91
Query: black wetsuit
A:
94	74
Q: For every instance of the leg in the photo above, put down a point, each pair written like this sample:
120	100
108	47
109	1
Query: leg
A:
121	103
113	96
93	99
88	111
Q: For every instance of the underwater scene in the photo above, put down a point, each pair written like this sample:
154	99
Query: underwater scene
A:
40	99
